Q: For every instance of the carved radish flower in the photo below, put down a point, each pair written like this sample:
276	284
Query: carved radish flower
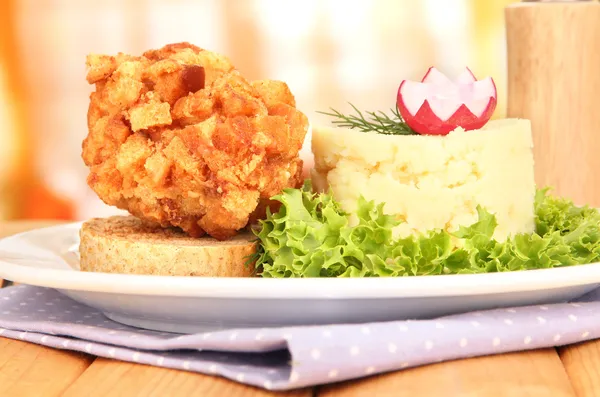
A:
437	105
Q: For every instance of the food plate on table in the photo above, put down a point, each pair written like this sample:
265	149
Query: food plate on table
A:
428	211
48	257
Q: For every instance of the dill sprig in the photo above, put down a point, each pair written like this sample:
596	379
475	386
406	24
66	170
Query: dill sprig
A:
373	121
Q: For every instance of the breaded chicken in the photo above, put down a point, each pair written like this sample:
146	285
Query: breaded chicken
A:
178	137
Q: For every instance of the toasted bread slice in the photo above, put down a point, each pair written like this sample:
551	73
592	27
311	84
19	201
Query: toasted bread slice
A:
123	244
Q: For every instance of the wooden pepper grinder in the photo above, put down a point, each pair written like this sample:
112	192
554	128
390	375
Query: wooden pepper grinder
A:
554	81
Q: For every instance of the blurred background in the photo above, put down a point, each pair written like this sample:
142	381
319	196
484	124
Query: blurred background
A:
330	52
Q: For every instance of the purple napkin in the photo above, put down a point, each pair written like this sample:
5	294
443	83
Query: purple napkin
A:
288	358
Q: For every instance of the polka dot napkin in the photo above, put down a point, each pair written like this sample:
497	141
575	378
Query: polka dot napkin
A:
287	358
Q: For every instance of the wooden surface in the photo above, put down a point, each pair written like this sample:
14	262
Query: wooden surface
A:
554	80
107	378
582	363
31	370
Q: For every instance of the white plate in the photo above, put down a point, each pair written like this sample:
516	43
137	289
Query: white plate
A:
48	257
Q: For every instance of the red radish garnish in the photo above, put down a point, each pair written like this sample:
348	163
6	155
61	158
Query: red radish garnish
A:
438	105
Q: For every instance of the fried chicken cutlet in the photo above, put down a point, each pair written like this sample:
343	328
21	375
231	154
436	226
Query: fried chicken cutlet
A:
179	138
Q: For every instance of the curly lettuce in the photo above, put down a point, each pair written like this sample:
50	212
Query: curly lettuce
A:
310	236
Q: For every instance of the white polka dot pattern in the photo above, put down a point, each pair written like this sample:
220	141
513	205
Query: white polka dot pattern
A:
556	338
392	348
315	354
294	376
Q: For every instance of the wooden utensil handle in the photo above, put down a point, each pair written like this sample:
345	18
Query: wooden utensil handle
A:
554	80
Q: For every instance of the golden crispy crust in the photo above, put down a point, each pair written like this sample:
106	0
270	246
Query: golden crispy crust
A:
178	137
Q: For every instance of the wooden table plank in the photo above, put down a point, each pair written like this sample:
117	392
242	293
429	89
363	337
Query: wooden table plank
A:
113	378
535	373
31	370
582	364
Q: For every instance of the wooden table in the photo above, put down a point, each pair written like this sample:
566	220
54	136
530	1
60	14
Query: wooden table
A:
31	370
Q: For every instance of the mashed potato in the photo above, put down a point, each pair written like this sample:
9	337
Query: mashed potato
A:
433	182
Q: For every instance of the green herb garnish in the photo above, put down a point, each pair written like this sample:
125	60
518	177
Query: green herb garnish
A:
310	237
378	122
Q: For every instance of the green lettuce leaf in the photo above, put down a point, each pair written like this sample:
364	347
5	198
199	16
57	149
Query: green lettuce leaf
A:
311	236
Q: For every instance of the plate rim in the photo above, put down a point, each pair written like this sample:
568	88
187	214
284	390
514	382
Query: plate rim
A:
294	288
